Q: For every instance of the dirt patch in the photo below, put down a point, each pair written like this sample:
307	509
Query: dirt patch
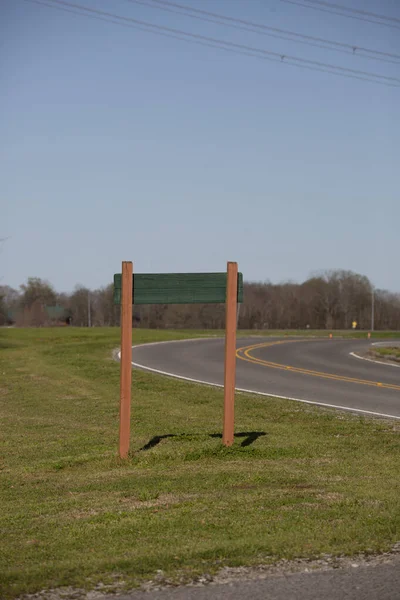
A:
36	377
132	503
331	497
299	505
163	500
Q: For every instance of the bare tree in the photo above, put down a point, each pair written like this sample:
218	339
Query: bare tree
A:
9	304
37	290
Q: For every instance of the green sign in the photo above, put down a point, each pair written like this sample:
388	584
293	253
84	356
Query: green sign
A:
178	288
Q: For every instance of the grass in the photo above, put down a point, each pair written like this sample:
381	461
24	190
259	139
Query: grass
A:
391	353
305	482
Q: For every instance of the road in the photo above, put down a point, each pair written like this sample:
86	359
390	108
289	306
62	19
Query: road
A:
318	371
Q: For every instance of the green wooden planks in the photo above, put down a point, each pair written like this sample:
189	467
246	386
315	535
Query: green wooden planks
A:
178	288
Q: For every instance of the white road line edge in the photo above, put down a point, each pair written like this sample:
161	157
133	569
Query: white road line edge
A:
245	391
377	362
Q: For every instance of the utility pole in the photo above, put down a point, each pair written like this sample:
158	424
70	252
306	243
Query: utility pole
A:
372	308
89	315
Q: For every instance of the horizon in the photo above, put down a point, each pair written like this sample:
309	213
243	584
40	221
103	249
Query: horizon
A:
314	275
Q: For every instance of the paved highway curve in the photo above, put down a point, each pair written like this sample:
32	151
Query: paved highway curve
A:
320	371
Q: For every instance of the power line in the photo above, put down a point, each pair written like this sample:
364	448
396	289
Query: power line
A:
147	30
341	14
262	29
222	44
353	10
228	43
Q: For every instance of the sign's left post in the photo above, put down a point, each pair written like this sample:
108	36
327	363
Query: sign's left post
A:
126	359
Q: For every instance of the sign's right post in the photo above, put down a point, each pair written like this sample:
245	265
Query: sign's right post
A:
230	354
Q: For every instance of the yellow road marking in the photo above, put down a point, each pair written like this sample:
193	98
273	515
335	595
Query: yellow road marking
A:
245	354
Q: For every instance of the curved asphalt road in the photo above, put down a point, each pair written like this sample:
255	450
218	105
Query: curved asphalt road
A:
319	371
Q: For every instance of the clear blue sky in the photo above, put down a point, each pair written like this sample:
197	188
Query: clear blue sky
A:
117	144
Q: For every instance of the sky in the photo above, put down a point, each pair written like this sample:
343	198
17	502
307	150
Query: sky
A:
119	144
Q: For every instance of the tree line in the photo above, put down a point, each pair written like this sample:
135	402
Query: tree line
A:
329	300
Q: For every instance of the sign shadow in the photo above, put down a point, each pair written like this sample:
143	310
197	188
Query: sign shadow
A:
249	438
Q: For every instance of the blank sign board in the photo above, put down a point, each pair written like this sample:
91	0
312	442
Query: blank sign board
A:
178	288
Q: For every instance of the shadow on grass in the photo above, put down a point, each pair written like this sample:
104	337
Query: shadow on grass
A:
250	437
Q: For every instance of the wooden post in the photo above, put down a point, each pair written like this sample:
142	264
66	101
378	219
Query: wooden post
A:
230	354
126	359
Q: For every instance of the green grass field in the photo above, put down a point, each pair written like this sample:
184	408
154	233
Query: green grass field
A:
310	482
